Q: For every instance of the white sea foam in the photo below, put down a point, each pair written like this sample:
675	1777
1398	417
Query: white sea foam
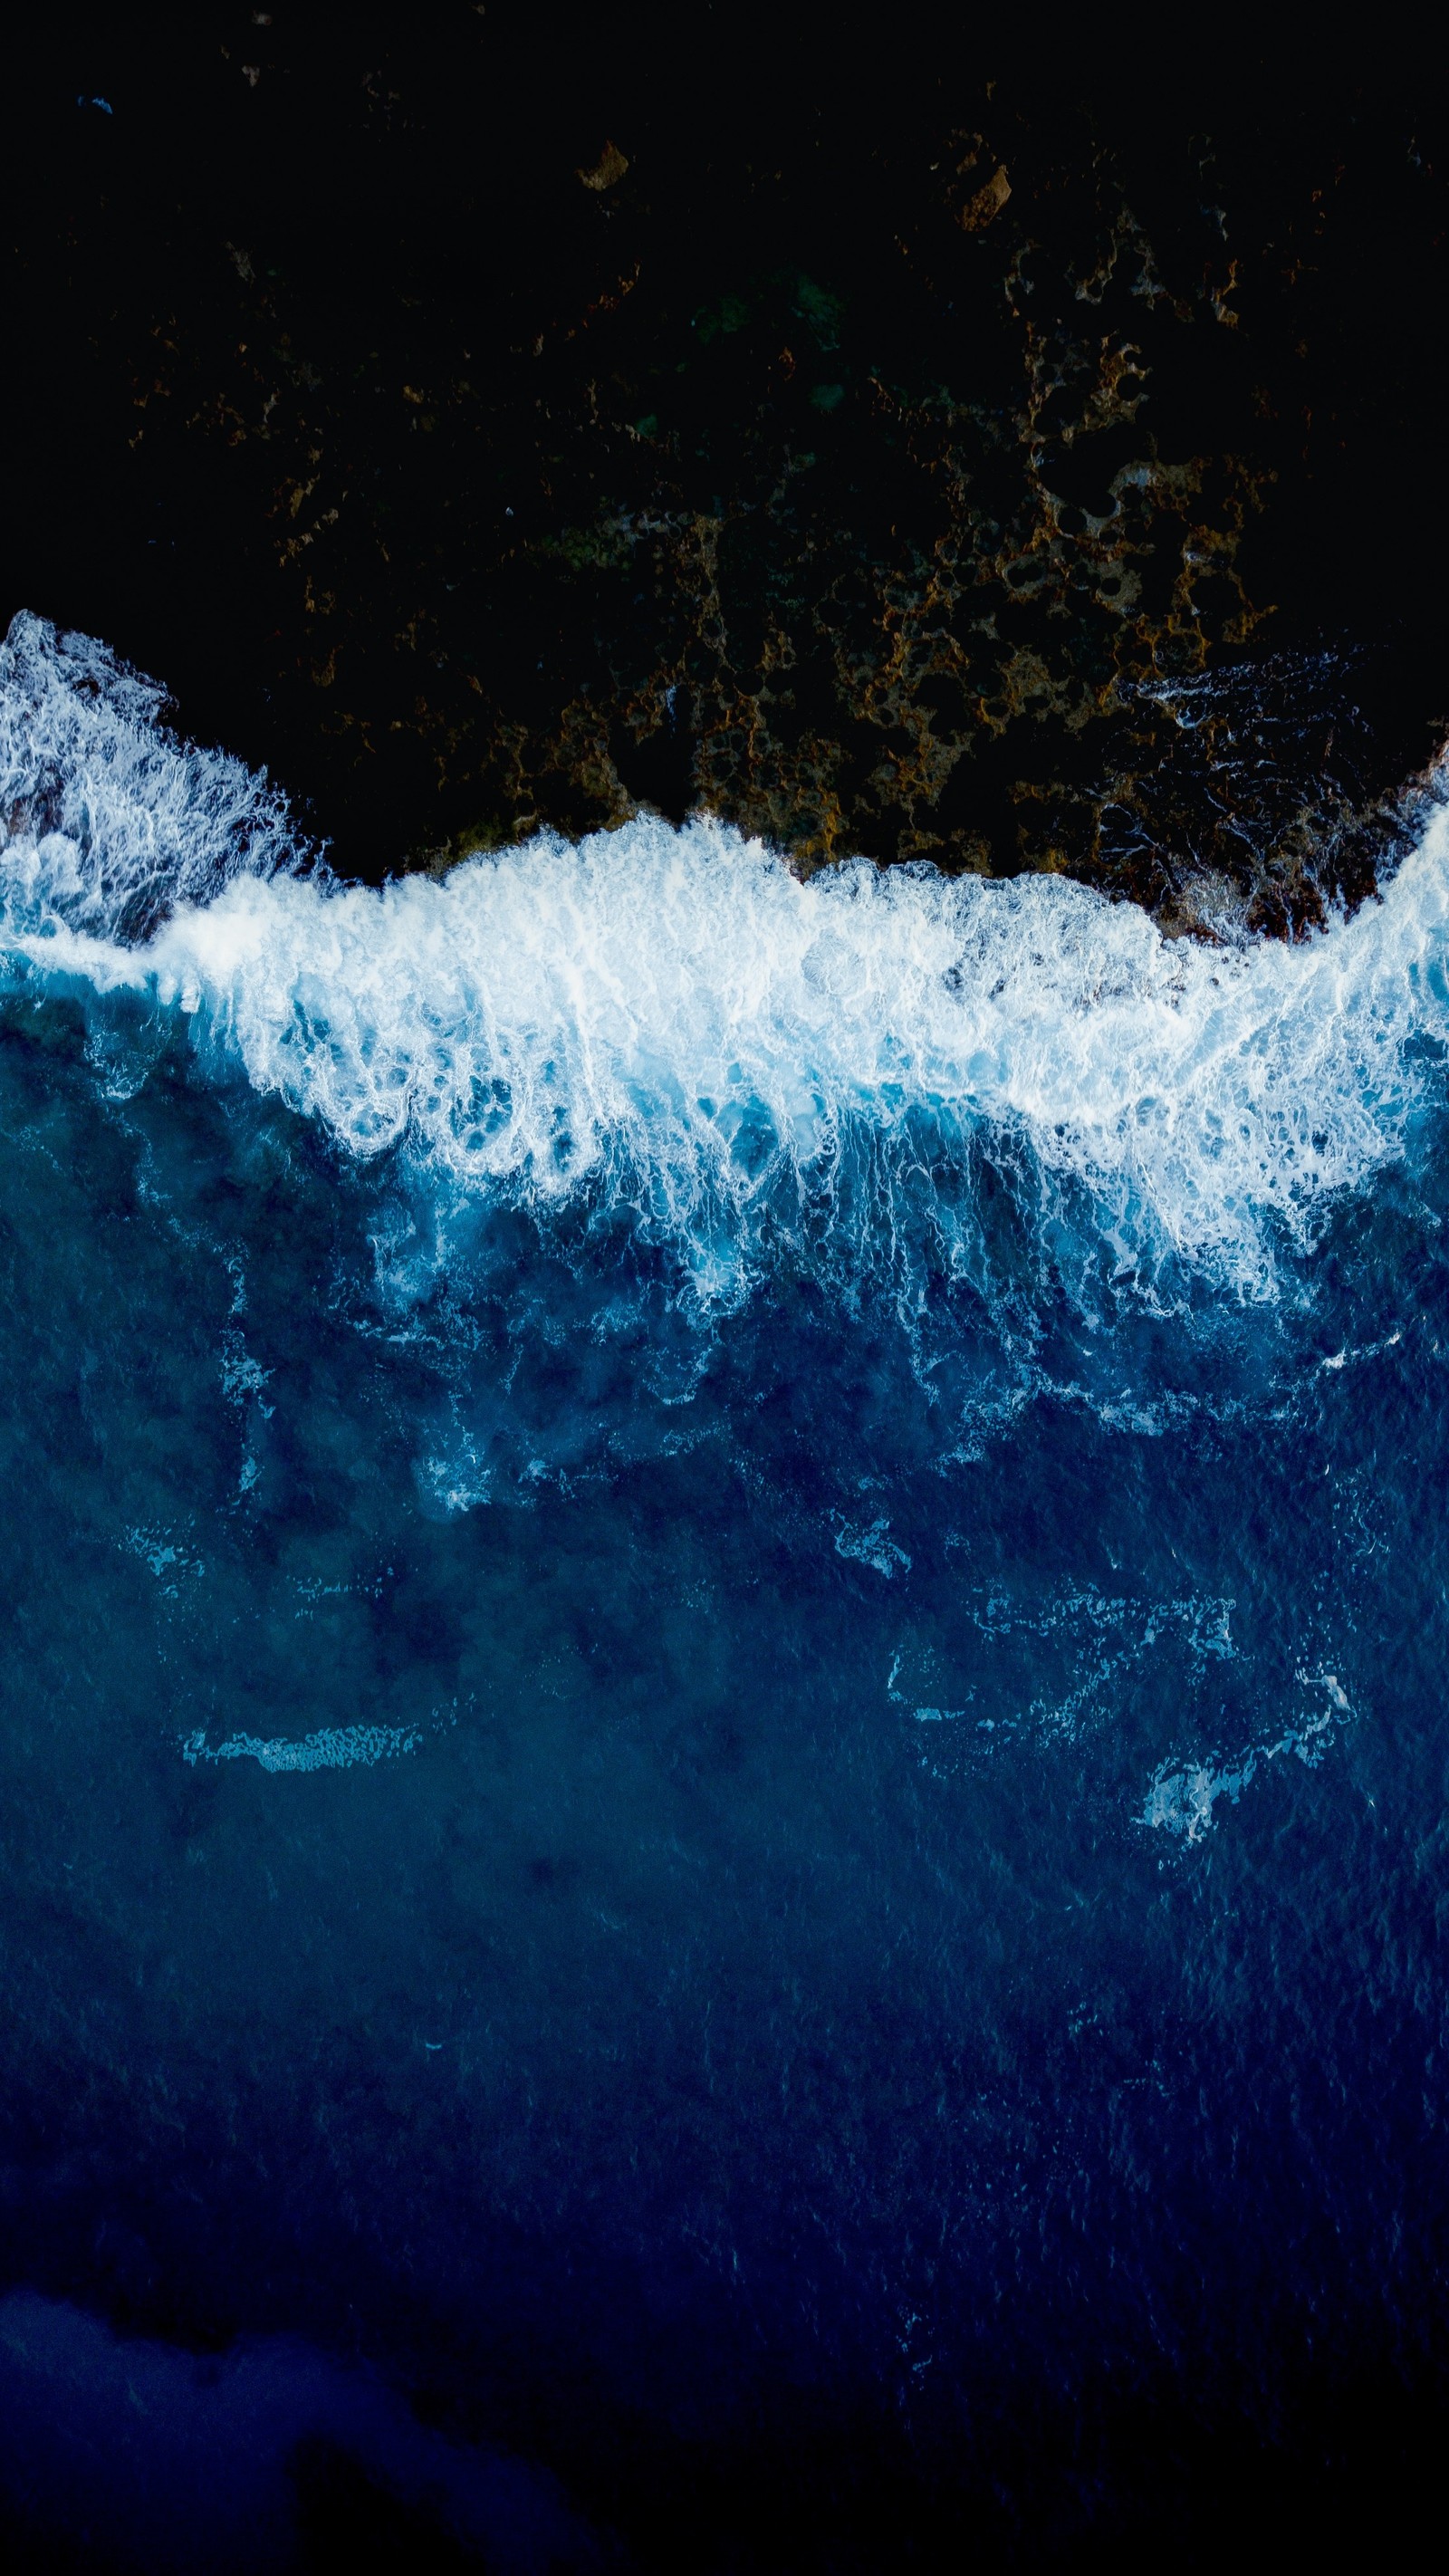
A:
1181	1801
106	820
329	1748
670	1017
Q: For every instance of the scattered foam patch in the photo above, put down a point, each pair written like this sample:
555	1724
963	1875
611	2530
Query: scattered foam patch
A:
332	1748
1181	1801
872	1545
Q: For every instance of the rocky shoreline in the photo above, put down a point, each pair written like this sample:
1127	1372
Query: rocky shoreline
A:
958	467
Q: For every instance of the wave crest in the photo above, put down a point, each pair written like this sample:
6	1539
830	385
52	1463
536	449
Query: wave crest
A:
669	1023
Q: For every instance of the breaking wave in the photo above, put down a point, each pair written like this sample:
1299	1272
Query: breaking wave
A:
666	1024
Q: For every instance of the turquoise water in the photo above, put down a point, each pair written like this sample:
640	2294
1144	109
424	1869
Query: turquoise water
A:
723	1740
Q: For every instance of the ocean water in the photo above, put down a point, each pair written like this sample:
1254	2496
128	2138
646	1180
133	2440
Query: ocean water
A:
724	1741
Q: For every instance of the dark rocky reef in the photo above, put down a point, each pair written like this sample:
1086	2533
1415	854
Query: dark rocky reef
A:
1011	467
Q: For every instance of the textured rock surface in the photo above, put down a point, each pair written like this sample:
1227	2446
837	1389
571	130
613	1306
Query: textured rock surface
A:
1004	471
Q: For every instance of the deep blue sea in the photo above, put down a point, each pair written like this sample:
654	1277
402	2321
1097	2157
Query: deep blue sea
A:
724	1718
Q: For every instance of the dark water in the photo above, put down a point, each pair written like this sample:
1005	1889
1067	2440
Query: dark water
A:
726	1862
